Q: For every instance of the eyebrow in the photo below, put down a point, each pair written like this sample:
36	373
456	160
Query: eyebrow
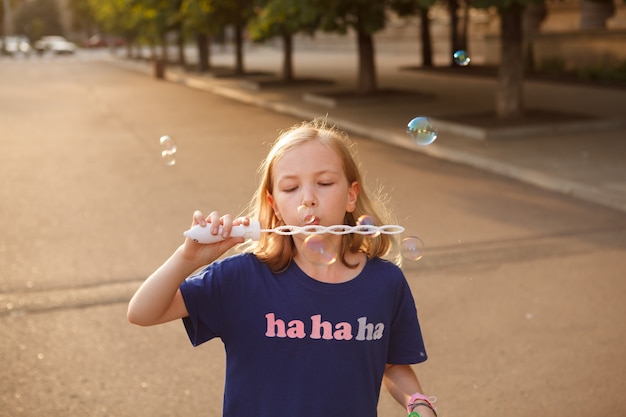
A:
317	173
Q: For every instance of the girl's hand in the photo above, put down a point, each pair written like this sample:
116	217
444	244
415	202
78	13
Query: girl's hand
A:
204	254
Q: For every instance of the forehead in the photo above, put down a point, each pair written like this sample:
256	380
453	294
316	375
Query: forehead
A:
308	158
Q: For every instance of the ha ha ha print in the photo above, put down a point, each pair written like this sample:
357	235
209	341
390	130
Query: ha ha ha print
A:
318	328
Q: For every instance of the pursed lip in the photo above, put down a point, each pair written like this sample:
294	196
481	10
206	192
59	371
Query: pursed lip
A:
315	221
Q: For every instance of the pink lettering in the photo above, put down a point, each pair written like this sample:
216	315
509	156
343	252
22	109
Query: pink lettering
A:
296	330
317	324
275	327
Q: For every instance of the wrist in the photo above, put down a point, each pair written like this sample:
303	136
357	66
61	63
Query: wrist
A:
418	399
422	409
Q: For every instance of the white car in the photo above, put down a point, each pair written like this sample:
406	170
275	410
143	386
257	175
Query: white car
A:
14	45
55	44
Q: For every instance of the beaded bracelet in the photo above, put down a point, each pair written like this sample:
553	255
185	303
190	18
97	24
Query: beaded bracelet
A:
418	396
420	399
417	404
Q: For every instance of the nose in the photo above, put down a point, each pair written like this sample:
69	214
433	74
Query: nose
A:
308	197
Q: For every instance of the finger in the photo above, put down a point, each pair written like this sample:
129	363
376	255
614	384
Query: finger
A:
242	220
214	219
198	218
227	222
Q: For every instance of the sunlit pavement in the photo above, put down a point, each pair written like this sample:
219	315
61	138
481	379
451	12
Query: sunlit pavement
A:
520	296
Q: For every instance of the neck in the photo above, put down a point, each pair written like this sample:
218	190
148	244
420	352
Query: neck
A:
335	273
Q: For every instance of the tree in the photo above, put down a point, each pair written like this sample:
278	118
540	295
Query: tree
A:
38	18
365	17
284	19
234	13
118	17
458	28
509	97
82	16
198	20
421	8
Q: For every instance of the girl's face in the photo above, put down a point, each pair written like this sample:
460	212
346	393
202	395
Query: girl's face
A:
311	174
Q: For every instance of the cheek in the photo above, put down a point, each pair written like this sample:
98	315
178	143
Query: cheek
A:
280	206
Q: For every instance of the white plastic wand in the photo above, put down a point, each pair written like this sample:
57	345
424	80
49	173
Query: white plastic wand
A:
200	234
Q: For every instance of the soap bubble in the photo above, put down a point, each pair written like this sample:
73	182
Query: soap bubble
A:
421	131
364	222
319	249
305	214
412	248
168	152
461	58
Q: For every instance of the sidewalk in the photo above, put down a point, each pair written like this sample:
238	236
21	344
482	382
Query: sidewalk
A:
584	158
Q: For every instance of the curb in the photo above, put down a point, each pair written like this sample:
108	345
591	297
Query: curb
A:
584	192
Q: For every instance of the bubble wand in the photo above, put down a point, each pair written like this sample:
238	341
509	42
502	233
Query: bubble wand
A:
200	234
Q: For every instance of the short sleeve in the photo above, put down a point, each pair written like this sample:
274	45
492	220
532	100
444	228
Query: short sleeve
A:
406	345
201	294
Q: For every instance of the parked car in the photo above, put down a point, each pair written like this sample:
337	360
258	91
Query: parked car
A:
97	41
55	44
15	45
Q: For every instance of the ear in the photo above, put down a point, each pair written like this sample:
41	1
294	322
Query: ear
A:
272	203
353	193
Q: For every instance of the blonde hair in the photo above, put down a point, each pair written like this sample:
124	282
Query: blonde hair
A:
278	250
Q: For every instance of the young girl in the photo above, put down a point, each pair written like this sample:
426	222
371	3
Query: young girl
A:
302	338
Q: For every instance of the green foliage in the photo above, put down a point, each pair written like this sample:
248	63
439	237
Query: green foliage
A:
283	17
82	16
197	16
606	72
117	17
610	70
366	16
143	19
551	66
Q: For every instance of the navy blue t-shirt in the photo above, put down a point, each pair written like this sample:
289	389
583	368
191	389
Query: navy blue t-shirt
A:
299	347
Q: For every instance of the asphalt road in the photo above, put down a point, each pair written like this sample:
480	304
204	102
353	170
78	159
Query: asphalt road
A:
520	291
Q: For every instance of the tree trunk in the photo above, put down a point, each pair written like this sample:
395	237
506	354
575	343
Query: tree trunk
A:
534	15
427	42
287	57
239	69
204	52
464	27
453	6
367	66
511	72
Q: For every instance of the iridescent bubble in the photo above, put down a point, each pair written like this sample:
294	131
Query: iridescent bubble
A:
421	131
305	214
168	152
319	249
412	248
461	58
364	222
